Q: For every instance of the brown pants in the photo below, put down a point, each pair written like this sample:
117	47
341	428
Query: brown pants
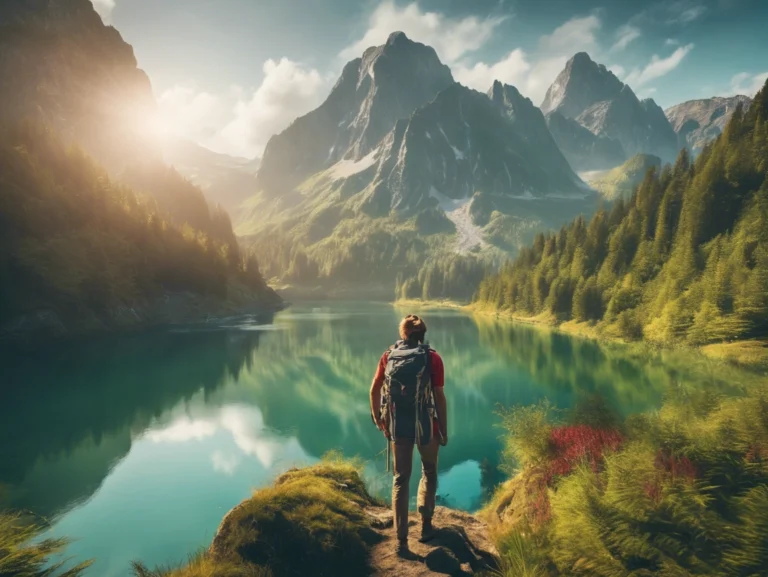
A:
402	449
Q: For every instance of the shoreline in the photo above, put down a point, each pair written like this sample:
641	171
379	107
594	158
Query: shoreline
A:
750	354
48	325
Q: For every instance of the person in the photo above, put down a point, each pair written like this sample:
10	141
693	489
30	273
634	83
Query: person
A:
408	405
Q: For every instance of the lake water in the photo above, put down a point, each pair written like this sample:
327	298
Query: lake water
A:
137	445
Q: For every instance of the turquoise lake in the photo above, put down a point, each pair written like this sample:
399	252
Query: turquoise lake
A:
136	445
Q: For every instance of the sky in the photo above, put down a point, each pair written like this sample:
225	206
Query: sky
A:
229	74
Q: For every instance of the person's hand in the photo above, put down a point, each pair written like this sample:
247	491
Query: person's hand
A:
443	440
381	425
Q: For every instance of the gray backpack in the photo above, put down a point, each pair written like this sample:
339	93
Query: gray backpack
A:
407	402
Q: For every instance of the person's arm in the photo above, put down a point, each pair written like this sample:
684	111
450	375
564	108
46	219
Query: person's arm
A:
375	394
442	414
438	388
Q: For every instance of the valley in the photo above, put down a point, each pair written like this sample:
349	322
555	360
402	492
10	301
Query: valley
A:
209	235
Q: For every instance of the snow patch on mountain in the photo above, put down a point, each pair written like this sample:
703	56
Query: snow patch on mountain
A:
468	234
346	168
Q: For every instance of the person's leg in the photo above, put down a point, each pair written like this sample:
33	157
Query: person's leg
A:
402	451
428	485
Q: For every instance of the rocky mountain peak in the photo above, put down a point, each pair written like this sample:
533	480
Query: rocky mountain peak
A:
582	83
387	84
396	38
696	122
592	96
508	96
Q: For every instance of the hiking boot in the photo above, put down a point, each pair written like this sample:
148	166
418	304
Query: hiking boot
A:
402	548
427	531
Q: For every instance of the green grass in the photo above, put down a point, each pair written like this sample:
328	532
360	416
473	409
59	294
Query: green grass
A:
622	180
22	554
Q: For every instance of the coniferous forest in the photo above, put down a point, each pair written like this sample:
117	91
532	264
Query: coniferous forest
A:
685	260
79	243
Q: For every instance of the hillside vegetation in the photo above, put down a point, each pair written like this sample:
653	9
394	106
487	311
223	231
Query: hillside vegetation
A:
681	491
684	261
622	180
77	243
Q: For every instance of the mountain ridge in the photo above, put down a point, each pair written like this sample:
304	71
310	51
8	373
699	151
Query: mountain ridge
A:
592	95
697	122
387	83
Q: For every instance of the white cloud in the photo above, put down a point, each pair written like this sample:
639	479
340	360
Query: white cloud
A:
657	67
624	37
533	73
576	35
249	433
224	464
104	8
241	123
748	84
452	38
512	69
690	14
618	70
671	42
182	431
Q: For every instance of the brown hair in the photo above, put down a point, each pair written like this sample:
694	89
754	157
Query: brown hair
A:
412	327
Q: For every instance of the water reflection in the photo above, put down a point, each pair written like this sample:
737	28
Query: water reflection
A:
71	412
141	443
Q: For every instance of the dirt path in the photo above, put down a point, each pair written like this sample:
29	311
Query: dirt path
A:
461	546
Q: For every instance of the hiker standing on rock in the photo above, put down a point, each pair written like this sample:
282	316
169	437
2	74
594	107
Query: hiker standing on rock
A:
408	405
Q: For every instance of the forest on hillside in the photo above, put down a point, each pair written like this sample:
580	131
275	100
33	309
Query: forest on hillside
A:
684	260
76	242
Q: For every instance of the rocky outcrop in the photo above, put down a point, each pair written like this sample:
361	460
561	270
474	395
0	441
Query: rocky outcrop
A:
596	99
696	122
462	546
388	83
255	534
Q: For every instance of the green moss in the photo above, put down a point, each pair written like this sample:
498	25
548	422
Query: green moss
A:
310	522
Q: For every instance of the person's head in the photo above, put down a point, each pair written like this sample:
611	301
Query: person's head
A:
413	328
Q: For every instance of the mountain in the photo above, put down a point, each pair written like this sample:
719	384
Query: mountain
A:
457	172
684	261
584	150
591	95
82	253
225	180
61	66
622	180
696	122
388	83
465	142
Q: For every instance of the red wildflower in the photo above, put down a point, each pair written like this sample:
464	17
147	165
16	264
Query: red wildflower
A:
571	445
676	467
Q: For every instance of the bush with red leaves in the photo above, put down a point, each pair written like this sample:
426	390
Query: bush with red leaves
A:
670	469
573	444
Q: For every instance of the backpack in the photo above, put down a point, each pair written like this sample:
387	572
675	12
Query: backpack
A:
407	401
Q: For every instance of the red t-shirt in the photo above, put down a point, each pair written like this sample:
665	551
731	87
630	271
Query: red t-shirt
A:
437	375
